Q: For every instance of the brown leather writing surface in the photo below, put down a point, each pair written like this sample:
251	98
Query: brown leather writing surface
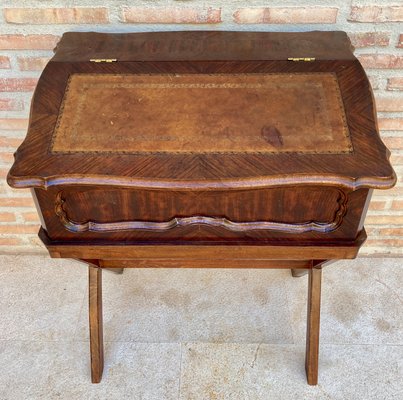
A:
217	113
240	116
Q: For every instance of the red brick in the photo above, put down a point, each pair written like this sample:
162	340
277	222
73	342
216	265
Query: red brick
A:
377	205
4	62
17	84
17	202
30	216
9	142
389	104
395	83
171	15
13	124
56	15
11	105
393	143
3	173
384	243
384	220
400	44
376	14
391	231
7	157
390	124
32	63
7	217
286	15
18	229
397	205
28	42
10	241
367	39
388	61
396	159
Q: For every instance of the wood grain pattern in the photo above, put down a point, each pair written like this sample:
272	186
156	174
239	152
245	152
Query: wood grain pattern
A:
366	167
95	323
206	263
283	205
313	325
188	250
203	46
224	223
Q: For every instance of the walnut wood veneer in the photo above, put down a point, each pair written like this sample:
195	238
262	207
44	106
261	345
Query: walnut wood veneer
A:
203	149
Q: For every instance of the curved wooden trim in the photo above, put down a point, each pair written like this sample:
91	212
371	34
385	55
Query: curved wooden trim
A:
223	184
99	227
273	250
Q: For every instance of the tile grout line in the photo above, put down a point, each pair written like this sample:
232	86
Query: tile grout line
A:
302	345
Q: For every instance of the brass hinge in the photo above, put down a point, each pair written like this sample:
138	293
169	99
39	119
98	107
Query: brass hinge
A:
301	58
101	60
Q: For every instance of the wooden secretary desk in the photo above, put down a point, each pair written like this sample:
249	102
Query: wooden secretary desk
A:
203	149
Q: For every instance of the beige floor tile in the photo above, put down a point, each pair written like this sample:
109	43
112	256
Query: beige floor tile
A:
40	298
263	372
60	370
44	349
160	305
361	302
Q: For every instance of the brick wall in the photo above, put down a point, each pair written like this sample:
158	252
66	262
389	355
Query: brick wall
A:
30	29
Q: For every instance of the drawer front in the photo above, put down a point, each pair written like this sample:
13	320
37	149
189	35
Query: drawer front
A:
128	214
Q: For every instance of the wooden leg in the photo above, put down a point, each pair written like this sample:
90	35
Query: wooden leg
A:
313	323
95	318
296	273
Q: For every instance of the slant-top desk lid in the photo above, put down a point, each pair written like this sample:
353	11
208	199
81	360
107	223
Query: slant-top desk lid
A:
203	110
